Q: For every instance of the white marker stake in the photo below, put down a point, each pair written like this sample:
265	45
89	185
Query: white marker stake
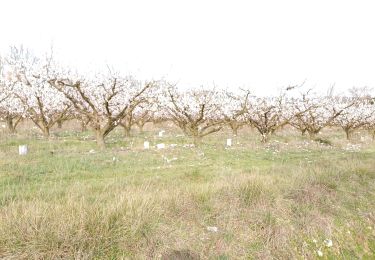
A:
160	146
229	142
146	145
22	150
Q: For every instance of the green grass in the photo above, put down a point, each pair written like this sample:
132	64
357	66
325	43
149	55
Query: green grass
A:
280	200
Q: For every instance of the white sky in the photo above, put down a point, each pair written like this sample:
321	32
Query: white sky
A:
262	45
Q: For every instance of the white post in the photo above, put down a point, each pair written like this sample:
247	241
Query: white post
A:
229	142
161	133
146	145
22	150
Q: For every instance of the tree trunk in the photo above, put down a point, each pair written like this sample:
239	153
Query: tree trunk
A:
348	133
140	126
59	124
46	132
265	137
11	126
100	139
83	126
235	130
312	134
126	131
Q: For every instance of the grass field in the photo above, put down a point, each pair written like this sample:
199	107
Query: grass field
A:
284	200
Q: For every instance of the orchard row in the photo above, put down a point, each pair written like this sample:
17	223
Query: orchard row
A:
41	90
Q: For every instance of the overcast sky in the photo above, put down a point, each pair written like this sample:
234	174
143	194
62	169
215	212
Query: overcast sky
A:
262	45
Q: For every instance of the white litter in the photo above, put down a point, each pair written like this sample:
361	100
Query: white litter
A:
160	146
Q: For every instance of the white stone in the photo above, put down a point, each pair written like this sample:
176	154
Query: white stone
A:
161	133
22	150
328	242
146	145
212	229
160	146
229	142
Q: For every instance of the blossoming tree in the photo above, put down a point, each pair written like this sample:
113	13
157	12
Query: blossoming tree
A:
194	111
29	75
313	112
268	114
105	98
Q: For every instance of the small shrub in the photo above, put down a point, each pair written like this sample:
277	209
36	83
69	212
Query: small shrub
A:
252	192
